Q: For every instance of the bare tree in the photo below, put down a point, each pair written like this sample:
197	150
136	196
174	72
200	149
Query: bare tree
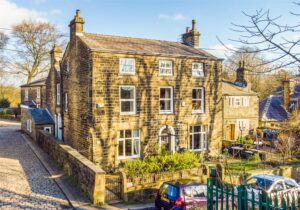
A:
262	81
267	34
3	42
34	41
286	145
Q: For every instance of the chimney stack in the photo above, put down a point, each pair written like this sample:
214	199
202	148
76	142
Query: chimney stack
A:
240	75
76	25
55	55
286	92
191	37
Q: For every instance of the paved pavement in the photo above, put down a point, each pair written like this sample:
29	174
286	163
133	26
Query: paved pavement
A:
24	182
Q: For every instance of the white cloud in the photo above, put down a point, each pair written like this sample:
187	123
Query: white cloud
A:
11	14
172	17
55	12
179	17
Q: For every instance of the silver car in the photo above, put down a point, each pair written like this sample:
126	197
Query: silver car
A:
274	186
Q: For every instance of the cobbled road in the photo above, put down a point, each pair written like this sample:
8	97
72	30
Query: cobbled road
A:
24	182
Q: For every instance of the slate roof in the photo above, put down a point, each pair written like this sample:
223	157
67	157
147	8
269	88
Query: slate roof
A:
39	82
29	104
41	116
232	89
120	44
271	109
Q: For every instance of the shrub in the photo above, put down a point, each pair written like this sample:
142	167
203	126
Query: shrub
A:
4	103
162	163
255	158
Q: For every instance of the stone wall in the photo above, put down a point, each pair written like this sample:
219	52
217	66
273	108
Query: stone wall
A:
89	177
145	187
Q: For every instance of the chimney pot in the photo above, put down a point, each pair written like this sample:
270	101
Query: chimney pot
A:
187	29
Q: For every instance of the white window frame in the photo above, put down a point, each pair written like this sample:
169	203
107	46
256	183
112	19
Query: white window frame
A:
171	101
238	101
58	94
203	135
50	130
242	123
133	139
122	64
66	102
165	68
199	111
29	125
123	100
38	93
26	93
195	72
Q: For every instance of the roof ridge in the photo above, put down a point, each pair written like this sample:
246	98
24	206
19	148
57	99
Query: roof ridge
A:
139	38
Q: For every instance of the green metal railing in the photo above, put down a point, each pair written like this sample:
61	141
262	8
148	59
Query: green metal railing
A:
221	196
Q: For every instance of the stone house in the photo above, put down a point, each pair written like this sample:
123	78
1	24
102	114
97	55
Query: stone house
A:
33	119
240	107
276	109
124	98
34	93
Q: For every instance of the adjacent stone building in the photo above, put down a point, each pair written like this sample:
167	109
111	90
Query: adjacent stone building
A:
125	98
276	109
240	107
34	93
53	91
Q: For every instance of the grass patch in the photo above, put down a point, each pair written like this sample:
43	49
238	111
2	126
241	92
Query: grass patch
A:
244	166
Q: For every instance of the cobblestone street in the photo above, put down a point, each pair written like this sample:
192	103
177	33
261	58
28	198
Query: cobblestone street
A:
24	182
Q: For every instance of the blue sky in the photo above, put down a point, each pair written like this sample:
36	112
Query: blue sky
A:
156	19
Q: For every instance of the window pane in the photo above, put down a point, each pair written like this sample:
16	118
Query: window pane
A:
127	93
197	141
165	105
136	147
165	93
197	94
197	128
122	134
135	133
197	105
127	106
128	147
121	148
128	134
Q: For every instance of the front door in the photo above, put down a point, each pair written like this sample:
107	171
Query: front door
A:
59	127
231	132
167	138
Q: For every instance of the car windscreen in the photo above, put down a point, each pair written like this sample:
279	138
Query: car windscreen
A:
169	191
259	183
195	191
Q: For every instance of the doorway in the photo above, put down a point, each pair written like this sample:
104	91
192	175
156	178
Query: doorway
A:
167	138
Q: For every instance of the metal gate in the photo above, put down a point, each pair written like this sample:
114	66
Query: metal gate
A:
225	196
113	188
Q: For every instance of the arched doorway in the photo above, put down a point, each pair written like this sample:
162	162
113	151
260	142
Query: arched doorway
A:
167	138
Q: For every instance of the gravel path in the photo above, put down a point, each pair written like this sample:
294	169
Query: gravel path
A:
24	183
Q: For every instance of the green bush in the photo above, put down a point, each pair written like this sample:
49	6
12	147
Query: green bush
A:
162	163
255	158
4	103
245	140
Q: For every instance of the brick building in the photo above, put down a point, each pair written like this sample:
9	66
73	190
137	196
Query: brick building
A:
240	107
127	97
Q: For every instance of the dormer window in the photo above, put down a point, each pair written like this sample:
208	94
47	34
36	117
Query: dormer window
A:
197	70
127	66
165	68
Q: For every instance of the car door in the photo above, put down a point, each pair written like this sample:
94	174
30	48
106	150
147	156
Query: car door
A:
195	196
